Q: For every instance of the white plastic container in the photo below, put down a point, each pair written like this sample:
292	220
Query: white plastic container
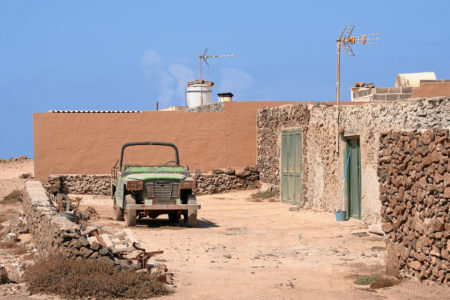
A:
195	93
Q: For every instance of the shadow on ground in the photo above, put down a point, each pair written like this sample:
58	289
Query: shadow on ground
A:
165	223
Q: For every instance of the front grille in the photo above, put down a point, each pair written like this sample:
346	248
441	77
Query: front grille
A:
163	189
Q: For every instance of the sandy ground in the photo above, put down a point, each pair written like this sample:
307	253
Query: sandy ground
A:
250	250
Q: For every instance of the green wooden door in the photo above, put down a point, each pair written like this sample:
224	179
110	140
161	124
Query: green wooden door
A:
354	179
291	166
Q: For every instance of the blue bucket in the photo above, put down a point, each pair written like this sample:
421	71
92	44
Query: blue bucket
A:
340	215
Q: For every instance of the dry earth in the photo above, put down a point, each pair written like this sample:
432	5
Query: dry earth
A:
248	250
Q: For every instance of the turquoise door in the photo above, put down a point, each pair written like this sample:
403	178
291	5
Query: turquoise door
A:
353	182
291	166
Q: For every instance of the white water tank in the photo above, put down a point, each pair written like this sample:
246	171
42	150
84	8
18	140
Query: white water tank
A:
198	93
413	79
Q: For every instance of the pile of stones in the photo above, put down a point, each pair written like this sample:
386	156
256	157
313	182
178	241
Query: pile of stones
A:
414	172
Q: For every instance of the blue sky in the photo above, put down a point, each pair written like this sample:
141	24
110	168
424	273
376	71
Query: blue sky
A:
113	55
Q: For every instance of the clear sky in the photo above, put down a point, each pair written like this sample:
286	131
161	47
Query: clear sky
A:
126	55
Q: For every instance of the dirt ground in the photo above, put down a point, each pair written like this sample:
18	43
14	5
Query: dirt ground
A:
248	250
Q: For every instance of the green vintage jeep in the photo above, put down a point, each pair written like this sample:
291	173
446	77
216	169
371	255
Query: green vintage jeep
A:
140	191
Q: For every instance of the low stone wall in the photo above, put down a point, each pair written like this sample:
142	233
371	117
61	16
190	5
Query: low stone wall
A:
414	172
98	184
224	180
52	232
212	107
219	181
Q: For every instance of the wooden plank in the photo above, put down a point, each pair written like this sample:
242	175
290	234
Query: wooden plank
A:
92	239
131	236
107	240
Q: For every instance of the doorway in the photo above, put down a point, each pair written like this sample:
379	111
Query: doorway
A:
353	180
291	166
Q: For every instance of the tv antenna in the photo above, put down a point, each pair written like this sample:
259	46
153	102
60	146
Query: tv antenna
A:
204	58
345	41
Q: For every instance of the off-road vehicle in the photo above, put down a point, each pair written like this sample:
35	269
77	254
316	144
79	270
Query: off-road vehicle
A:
140	191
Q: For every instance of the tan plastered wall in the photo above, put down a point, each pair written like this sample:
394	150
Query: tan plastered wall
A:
432	89
90	143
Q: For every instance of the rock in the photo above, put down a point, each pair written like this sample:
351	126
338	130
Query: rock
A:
3	275
103	251
387	227
415	265
16	272
10	237
95	246
85	252
242	173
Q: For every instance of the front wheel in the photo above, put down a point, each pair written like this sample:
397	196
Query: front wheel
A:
131	213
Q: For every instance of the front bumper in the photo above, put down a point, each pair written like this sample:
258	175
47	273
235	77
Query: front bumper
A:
164	206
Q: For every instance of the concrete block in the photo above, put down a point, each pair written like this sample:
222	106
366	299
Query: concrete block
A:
381	90
391	97
394	90
405	96
408	90
379	97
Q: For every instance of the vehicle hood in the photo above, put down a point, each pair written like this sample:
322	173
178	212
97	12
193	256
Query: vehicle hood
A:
152	176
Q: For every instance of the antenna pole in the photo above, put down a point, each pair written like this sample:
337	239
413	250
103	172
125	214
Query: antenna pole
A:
201	82
338	83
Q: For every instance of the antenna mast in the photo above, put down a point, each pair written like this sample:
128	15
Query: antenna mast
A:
205	58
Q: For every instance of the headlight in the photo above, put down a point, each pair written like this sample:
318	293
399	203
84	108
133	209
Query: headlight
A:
135	185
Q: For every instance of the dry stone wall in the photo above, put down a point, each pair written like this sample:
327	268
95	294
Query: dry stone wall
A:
224	180
79	184
270	122
414	172
323	166
52	232
218	181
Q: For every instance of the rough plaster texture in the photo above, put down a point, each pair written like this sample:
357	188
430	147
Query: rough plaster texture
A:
432	89
73	143
323	167
414	172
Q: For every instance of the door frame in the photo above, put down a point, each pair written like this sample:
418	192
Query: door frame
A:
298	184
347	193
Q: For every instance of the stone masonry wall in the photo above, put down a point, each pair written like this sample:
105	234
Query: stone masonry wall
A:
52	232
270	121
219	181
323	166
414	172
224	180
79	184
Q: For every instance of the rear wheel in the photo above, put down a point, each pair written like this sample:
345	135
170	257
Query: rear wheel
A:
174	217
130	217
118	211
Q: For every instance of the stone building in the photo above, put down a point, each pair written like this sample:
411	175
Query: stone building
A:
297	153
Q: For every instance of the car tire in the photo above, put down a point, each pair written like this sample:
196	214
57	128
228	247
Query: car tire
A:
130	216
174	217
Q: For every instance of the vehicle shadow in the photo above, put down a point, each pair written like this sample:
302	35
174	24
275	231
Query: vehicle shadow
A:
165	223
